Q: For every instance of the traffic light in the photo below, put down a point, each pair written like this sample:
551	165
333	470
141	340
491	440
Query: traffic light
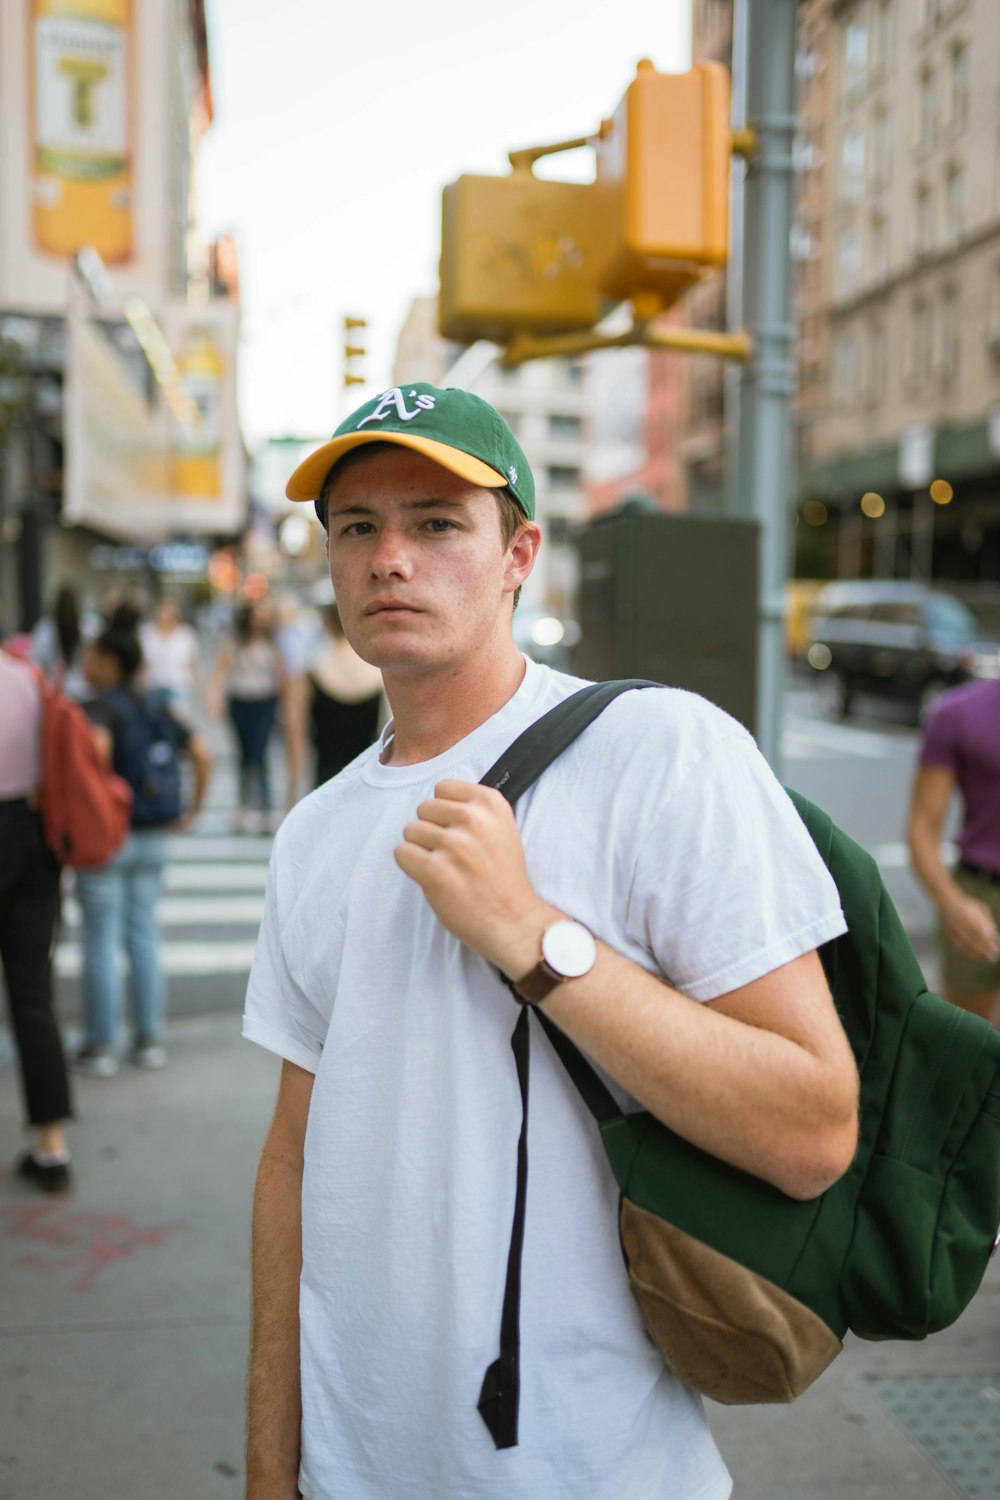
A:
516	252
525	256
662	183
352	350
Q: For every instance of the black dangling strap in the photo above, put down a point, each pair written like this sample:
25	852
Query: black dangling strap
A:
501	1388
520	765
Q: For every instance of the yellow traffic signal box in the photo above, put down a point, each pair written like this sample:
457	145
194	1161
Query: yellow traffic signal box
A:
662	184
516	253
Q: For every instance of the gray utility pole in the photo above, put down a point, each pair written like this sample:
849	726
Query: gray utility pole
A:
764	479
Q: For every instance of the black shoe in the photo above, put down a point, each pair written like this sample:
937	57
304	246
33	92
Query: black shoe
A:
51	1177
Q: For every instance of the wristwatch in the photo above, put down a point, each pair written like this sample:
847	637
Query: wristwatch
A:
569	950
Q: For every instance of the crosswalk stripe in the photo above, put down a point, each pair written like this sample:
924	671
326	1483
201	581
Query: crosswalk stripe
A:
214	877
197	847
193	911
813	741
179	959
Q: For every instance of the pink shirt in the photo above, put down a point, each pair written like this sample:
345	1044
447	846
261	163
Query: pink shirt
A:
20	729
962	735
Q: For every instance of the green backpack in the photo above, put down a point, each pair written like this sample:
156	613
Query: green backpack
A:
747	1293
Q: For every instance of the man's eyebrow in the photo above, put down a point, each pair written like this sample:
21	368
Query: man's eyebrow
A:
358	509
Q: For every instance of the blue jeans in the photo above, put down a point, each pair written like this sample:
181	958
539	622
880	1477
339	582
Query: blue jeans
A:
118	902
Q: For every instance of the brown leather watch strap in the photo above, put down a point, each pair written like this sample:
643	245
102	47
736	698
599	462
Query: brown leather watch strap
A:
536	986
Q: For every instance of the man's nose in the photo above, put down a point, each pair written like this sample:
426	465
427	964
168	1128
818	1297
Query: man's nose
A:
391	557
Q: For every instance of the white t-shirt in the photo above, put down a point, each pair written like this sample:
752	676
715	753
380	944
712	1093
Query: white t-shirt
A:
661	828
170	659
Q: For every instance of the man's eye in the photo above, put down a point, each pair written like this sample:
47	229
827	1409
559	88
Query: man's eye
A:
439	524
357	528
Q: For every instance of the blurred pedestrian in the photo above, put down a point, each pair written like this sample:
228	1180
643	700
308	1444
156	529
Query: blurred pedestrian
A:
170	651
960	751
144	738
57	644
249	674
29	905
345	700
295	635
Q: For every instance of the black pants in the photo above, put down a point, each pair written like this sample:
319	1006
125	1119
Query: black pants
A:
29	905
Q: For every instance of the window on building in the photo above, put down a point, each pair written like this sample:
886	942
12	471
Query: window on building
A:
880	156
878	248
921	342
845	369
995	300
800	242
958	89
923	220
882	24
954	203
848	261
561	426
927	111
852	166
855	59
949	334
874	370
562	477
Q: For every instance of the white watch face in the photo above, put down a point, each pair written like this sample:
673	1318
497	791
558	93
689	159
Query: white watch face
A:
569	948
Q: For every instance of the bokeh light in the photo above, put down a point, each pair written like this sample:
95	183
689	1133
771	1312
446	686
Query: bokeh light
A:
873	505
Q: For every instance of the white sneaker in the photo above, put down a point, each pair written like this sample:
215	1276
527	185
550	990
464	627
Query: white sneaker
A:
96	1062
149	1055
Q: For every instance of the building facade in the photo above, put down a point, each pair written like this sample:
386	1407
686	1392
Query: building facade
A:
103	105
905	455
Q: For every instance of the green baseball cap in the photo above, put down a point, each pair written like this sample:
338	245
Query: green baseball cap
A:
456	429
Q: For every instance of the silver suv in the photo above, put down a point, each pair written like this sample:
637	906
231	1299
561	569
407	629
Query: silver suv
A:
904	641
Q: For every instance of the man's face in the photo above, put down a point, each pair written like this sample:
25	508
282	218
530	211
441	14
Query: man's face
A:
418	564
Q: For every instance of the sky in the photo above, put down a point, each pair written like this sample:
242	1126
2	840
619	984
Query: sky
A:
337	126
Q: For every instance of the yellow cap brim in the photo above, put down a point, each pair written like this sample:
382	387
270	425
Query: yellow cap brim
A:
307	481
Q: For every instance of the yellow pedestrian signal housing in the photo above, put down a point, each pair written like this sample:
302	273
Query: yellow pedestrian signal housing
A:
516	253
353	351
662	186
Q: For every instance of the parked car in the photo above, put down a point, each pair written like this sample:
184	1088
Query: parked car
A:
902	641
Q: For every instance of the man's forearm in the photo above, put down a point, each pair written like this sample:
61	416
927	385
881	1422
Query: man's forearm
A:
274	1406
931	870
772	1103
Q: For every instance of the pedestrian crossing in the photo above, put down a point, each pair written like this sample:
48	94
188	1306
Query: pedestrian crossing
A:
814	739
210	910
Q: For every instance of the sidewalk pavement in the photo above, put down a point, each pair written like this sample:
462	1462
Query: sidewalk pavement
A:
123	1320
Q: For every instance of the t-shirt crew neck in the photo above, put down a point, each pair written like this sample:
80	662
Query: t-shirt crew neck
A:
528	692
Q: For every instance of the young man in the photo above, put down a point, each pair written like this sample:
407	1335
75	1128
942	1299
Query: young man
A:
401	894
960	752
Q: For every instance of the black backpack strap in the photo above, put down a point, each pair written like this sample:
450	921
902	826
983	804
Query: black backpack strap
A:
520	765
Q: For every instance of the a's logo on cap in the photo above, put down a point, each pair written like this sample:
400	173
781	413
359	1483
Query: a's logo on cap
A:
512	474
395	398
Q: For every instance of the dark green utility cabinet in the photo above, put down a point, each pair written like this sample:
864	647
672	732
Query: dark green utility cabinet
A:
673	598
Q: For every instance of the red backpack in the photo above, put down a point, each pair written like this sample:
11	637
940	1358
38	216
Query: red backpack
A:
86	808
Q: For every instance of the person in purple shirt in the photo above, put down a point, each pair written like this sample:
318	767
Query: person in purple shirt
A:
960	750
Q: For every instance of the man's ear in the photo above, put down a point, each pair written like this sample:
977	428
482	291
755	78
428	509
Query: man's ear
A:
521	555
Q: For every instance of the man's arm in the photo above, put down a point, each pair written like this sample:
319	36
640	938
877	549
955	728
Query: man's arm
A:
274	1406
968	923
762	1077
